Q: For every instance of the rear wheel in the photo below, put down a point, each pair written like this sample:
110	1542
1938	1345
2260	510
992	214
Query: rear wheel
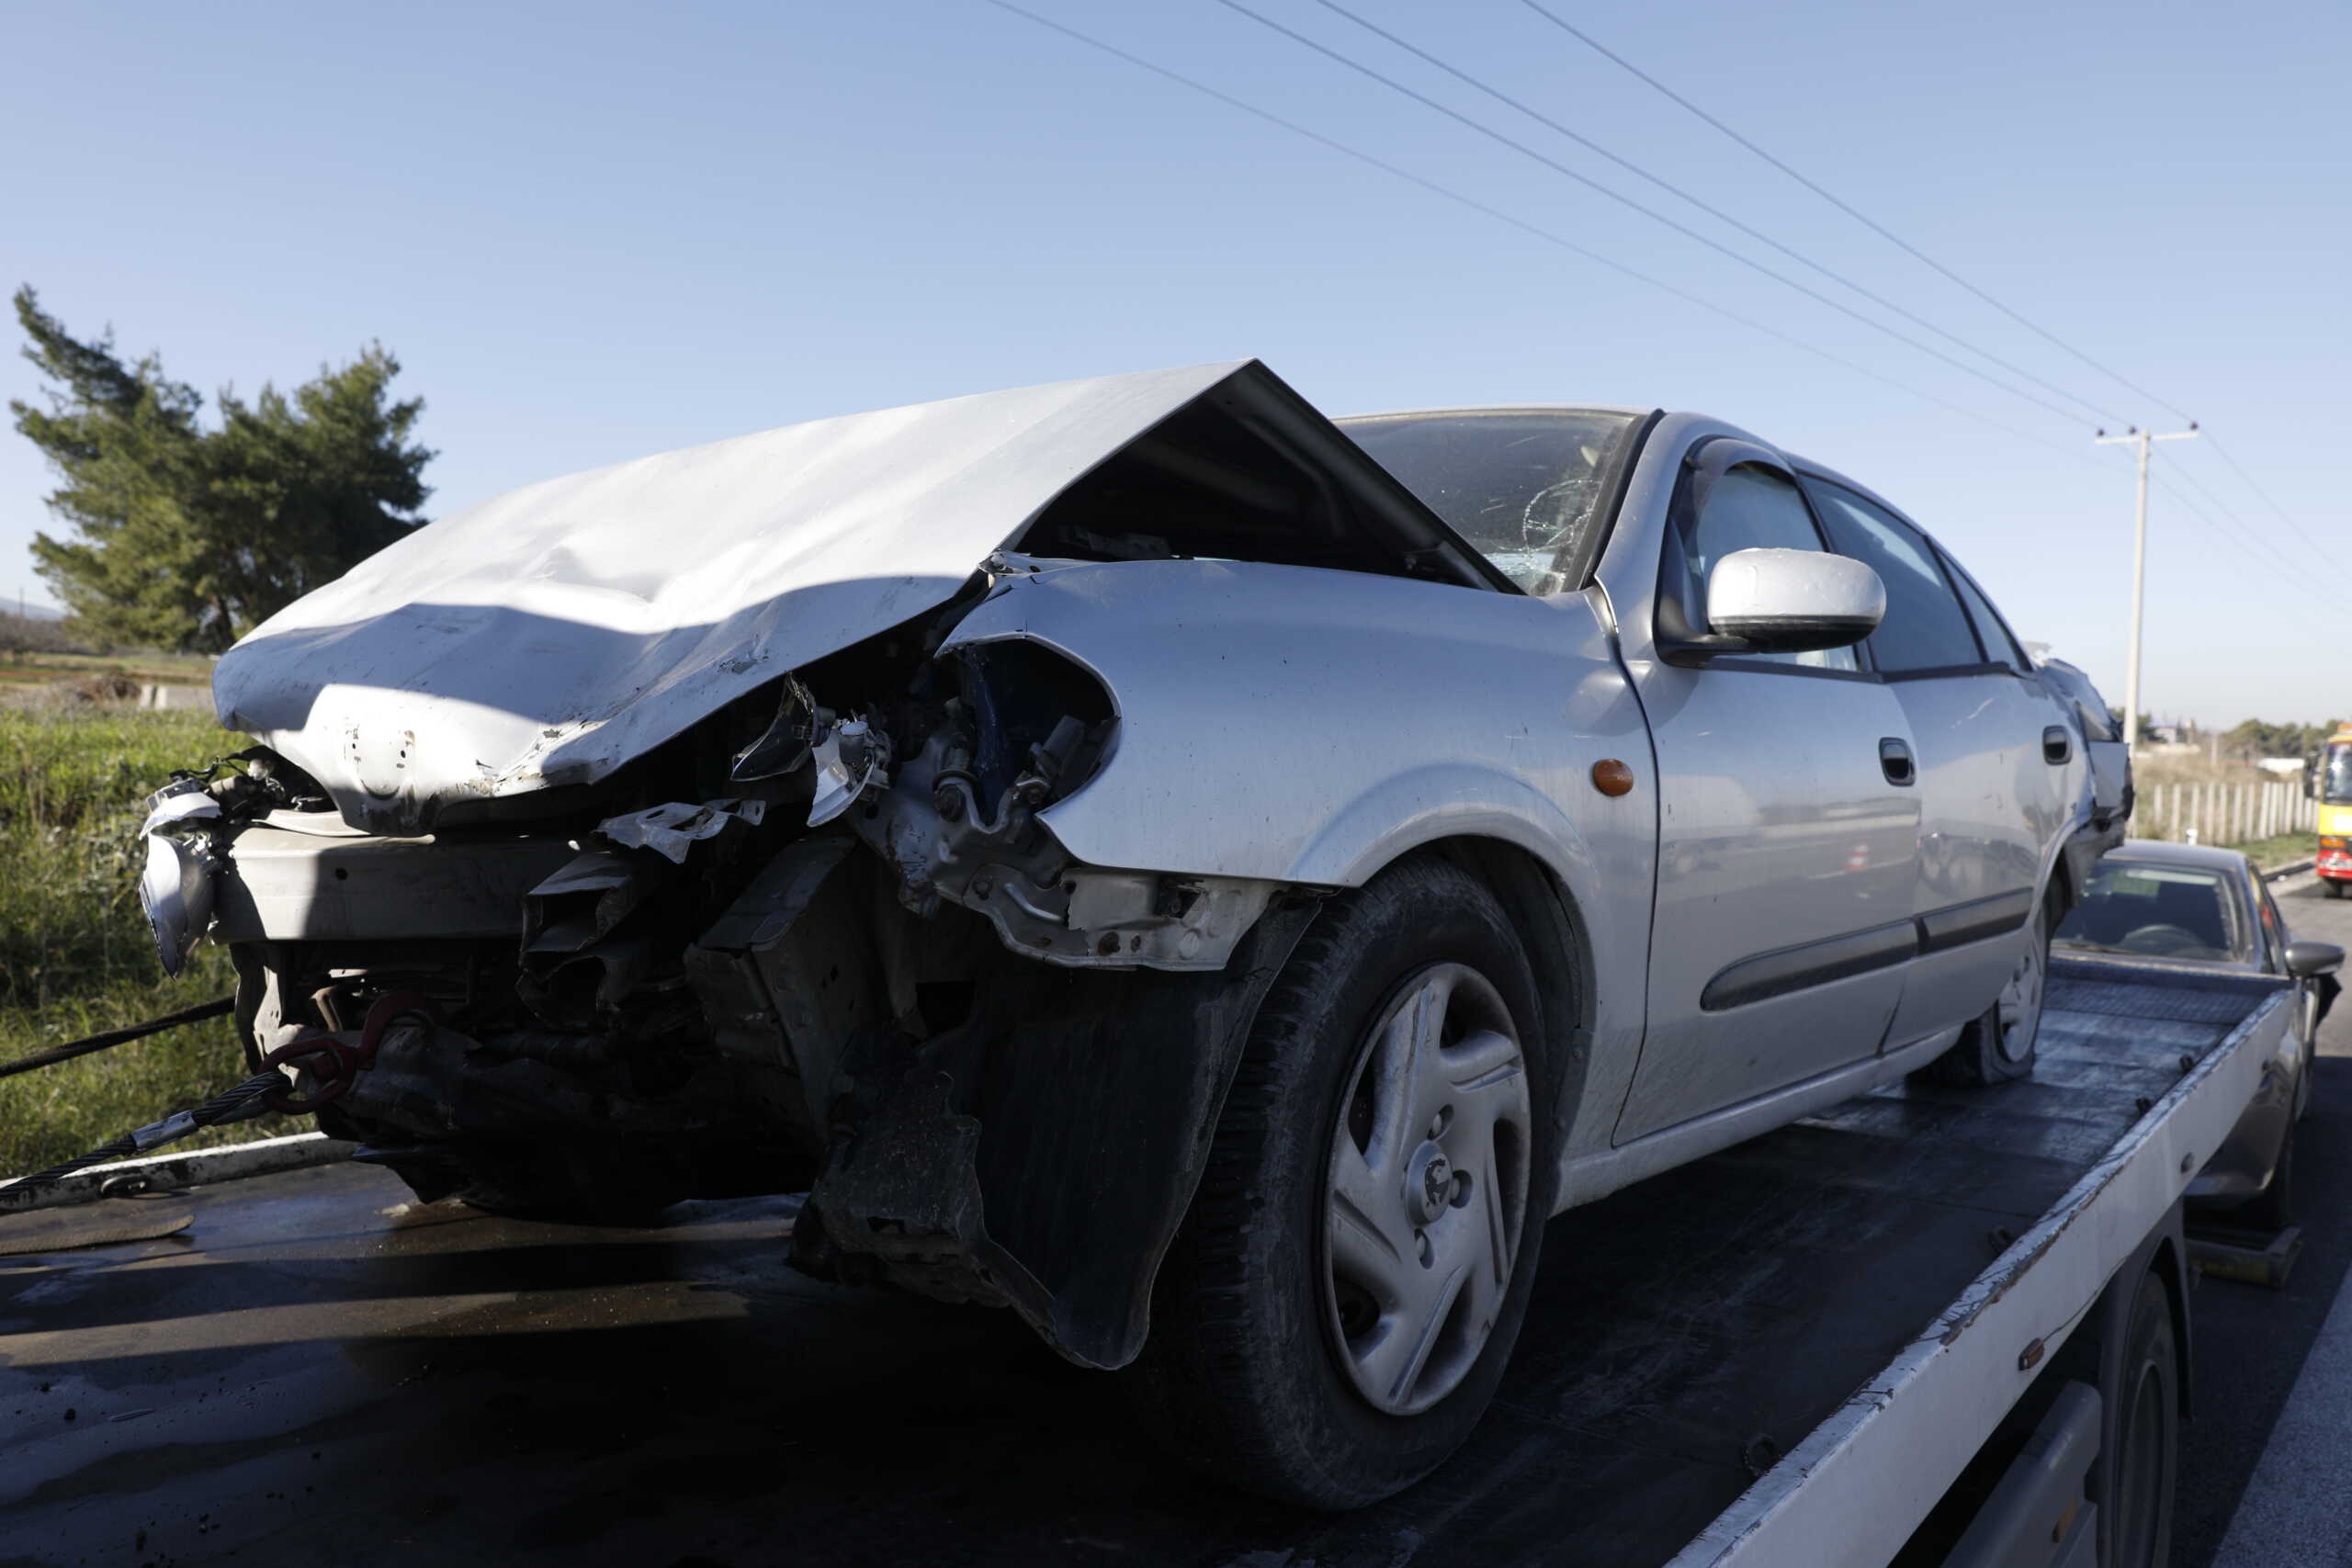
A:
2143	1422
1333	1319
2000	1045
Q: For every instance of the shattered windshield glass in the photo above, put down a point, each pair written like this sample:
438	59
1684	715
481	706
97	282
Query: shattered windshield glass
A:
1522	485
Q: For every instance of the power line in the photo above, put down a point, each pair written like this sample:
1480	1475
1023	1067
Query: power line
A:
1537	231
1562	242
2199	486
1717	213
1335	55
2238	531
1679	228
2224	453
2219	449
1882	230
2241	529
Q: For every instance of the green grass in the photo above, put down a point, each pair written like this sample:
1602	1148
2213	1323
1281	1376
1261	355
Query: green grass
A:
35	668
2280	848
75	956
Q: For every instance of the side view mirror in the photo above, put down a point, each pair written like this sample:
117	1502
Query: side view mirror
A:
1794	601
2308	960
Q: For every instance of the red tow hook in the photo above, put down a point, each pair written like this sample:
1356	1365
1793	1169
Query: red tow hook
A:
334	1061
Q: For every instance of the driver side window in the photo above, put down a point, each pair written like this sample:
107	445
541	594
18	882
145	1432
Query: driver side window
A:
1751	508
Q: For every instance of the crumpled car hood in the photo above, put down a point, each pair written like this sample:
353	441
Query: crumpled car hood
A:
549	635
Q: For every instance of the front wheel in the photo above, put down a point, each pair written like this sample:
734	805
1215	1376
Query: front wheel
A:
2274	1209
1333	1319
2335	888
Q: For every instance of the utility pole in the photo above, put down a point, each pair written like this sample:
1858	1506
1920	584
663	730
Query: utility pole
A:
2135	437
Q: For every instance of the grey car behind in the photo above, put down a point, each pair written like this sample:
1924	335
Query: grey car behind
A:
2202	906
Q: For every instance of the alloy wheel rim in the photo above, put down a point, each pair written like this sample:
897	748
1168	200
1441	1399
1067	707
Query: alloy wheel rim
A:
1426	1190
2021	1006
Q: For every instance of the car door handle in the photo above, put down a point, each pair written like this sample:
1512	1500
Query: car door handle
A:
1895	761
2057	746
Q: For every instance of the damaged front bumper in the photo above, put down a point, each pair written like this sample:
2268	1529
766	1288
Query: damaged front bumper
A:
175	889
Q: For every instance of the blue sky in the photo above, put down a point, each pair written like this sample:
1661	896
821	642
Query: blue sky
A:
592	233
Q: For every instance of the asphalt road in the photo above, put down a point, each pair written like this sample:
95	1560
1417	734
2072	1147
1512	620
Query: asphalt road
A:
322	1371
2253	1343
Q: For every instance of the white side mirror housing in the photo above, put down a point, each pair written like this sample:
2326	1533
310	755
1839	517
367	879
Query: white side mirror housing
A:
1794	601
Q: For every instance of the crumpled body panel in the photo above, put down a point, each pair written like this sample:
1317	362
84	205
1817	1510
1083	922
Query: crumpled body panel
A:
549	636
1305	726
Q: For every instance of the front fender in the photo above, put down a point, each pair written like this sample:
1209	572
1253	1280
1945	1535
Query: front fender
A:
1307	726
1443	800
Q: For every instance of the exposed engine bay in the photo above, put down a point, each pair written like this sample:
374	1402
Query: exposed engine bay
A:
817	936
819	942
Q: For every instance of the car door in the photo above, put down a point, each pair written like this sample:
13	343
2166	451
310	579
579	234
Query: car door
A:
1999	765
2272	938
1787	829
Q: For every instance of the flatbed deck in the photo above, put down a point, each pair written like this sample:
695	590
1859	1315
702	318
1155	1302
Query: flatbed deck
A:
338	1373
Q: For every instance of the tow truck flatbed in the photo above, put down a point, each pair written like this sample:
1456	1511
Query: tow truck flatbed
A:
1782	1354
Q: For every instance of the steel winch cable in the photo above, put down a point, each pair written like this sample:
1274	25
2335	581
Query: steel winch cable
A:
248	1100
220	1006
330	1063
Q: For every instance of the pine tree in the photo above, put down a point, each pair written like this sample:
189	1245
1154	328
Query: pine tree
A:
185	537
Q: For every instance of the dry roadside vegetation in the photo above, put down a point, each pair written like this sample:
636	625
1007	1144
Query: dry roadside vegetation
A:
76	957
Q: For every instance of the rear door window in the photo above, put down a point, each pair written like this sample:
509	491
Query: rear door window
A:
2000	646
1925	626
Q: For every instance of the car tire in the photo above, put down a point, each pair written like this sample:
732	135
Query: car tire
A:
1329	1323
2335	888
2142	1420
2274	1208
1999	1046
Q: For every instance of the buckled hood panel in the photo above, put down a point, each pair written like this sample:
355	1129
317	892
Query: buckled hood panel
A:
551	635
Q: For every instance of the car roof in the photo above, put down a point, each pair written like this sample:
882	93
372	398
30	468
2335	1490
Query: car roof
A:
1498	408
2157	851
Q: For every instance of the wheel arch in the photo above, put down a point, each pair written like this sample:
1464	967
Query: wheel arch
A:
2169	1263
2092	1349
1553	928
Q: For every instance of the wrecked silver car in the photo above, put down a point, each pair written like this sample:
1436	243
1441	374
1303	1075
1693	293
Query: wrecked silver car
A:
1210	879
